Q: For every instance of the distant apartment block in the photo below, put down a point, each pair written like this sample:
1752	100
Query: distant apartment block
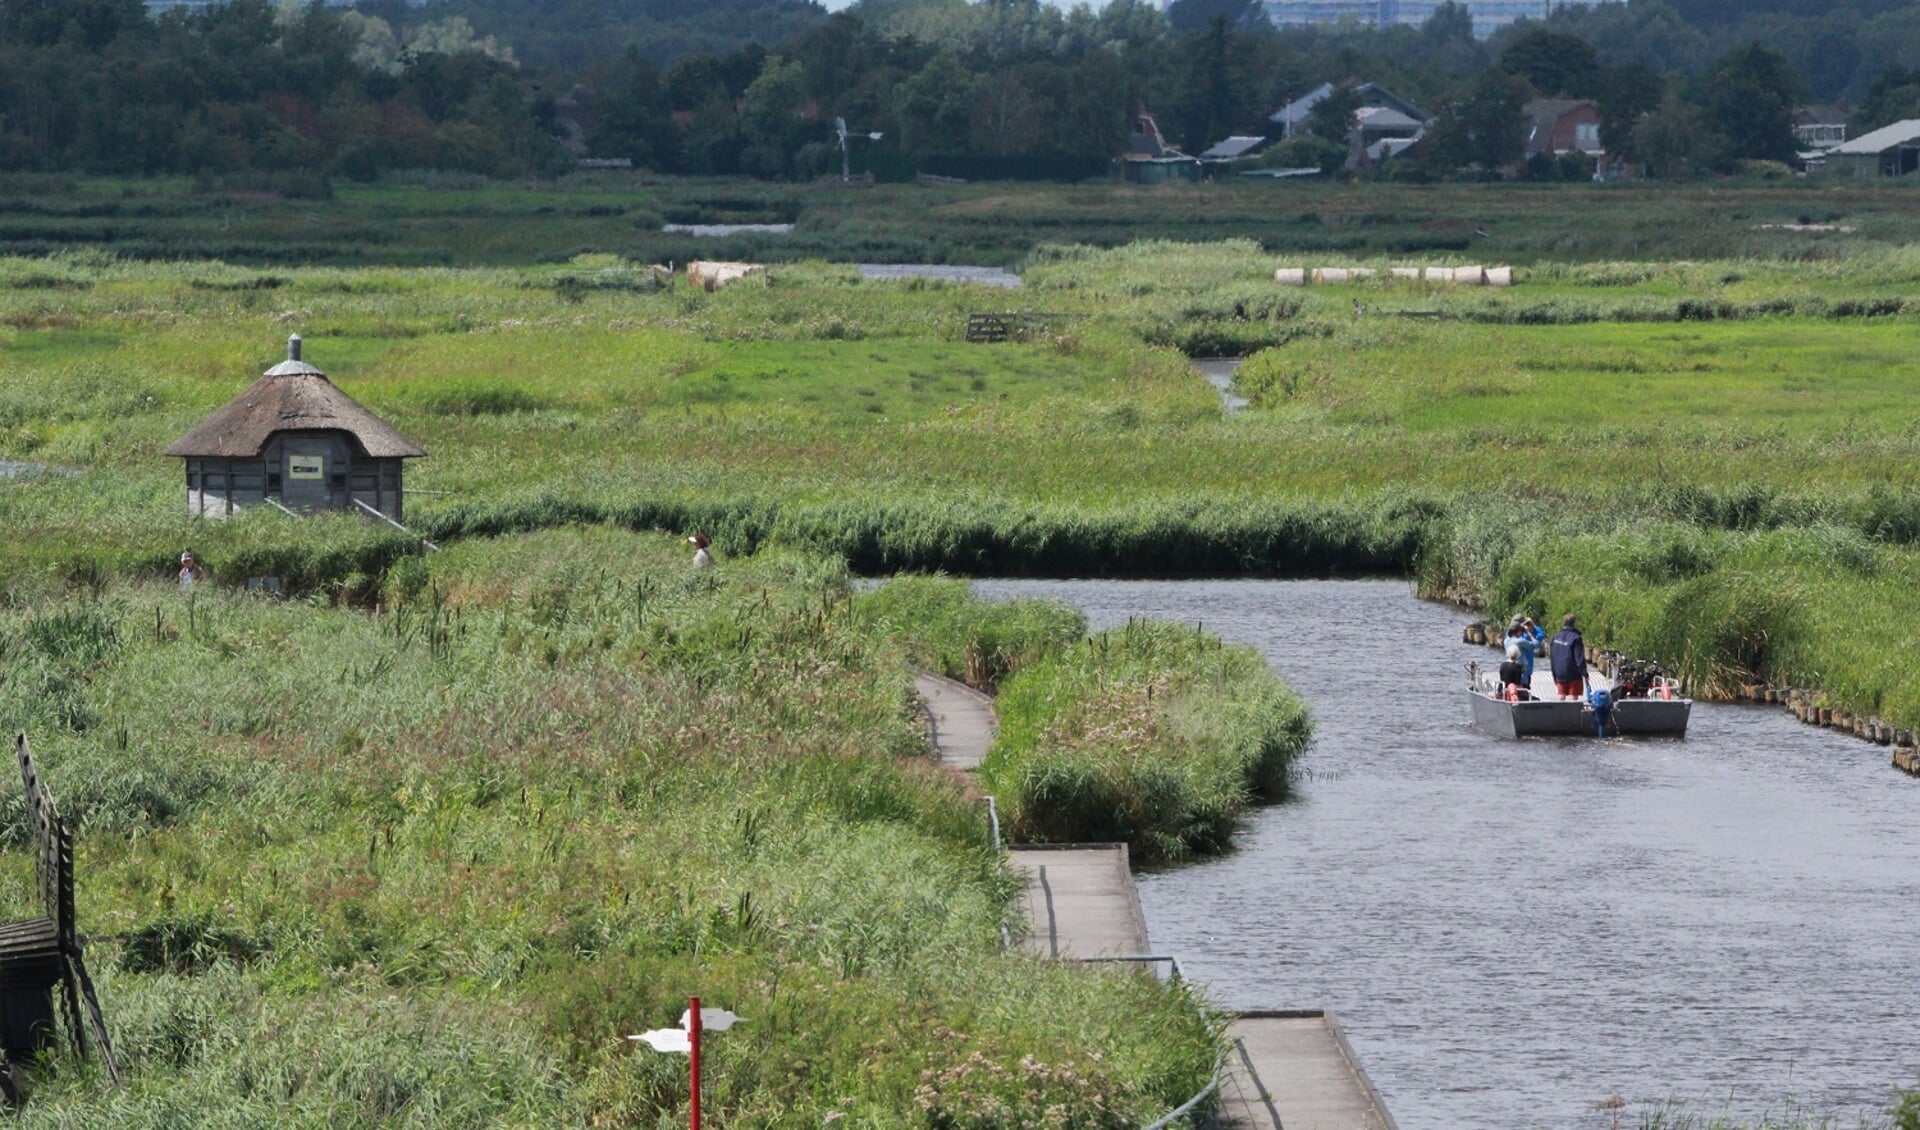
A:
1487	14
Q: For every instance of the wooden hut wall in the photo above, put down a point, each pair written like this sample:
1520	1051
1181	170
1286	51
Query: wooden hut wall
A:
216	488
301	470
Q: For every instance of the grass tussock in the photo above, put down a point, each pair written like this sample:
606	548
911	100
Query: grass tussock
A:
1154	734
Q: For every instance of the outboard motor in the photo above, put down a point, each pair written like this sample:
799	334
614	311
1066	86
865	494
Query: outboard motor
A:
1602	704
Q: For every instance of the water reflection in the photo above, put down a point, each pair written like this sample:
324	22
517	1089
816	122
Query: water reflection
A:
1513	931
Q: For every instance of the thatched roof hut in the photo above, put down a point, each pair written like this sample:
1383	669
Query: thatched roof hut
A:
294	439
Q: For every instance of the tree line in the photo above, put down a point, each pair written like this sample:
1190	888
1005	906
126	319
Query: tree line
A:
992	88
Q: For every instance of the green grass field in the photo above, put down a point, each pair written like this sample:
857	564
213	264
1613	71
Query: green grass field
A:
1711	460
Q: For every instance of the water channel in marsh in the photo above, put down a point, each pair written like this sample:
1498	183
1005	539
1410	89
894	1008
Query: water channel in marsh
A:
1512	932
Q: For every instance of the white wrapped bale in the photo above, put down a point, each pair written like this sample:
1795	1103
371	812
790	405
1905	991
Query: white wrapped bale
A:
1470	276
1291	276
1406	272
1499	276
1329	275
711	276
1439	274
1361	273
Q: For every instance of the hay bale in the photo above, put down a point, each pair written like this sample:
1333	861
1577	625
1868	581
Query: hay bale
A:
1439	274
1470	276
711	276
1499	276
1362	273
1406	272
1291	276
1329	275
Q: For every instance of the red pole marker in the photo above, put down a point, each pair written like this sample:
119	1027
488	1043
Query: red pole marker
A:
693	1038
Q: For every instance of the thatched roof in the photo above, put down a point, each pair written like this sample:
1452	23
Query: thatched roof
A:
291	396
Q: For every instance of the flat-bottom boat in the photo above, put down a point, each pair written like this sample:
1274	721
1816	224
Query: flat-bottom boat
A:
1652	711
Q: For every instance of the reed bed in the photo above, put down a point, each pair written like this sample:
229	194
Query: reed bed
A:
432	865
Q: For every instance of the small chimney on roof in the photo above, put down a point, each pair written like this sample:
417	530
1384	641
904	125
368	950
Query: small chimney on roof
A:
293	347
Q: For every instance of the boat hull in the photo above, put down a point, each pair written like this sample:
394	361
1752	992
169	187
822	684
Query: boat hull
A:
1652	717
1573	718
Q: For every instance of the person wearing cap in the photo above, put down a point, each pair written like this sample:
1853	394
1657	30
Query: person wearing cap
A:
190	571
701	557
1528	636
1569	652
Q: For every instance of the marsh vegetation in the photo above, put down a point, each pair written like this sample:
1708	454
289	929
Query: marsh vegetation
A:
455	803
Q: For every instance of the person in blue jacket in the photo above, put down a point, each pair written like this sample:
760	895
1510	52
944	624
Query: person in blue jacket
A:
1527	635
1569	655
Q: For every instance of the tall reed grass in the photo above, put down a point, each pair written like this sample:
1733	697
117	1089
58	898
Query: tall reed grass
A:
432	864
1155	734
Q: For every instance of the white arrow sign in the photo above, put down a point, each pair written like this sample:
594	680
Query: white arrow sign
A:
666	1040
711	1019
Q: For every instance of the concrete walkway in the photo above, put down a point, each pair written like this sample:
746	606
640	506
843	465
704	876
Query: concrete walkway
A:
1080	901
1293	1069
960	718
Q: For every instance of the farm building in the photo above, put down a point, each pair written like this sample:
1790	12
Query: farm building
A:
294	439
1890	151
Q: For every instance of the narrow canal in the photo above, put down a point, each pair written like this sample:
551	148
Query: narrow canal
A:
1514	932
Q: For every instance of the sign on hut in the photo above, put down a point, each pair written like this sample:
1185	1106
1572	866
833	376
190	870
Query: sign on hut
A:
294	439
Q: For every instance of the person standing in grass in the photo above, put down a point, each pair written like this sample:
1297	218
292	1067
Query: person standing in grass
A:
1569	654
702	558
190	572
1523	633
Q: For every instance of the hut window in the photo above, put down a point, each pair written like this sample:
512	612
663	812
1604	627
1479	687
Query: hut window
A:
273	480
339	478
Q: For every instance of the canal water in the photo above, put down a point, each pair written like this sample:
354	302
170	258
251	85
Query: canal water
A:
985	276
1219	372
1514	932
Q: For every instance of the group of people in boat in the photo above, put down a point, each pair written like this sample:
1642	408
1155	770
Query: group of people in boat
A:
1567	652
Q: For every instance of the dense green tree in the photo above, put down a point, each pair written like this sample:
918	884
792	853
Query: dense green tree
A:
87	25
1481	126
631	118
935	108
1198	15
1625	96
1894	96
694	81
1748	98
772	118
1556	64
1217	97
1331	118
1676	141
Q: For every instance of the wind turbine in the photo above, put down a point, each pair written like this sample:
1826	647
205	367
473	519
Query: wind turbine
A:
840	127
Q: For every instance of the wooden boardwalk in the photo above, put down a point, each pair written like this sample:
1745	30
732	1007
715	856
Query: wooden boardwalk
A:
961	720
1294	1069
1080	901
